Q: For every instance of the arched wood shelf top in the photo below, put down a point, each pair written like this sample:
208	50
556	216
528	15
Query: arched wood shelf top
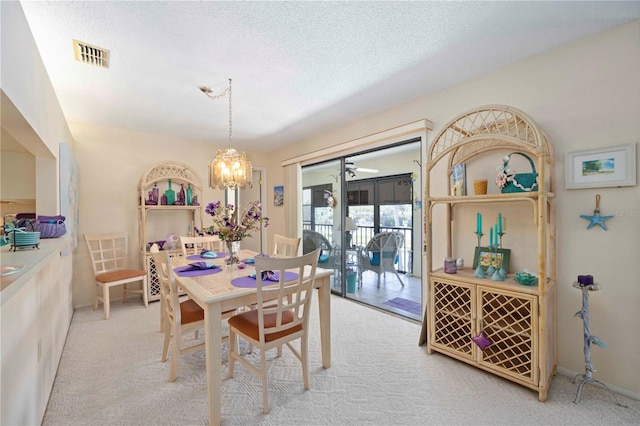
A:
487	128
176	171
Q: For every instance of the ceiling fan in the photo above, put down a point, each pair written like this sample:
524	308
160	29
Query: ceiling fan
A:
352	169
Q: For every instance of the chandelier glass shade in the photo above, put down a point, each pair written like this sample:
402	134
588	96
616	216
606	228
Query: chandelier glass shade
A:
229	169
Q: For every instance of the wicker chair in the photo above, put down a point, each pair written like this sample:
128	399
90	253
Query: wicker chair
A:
380	255
312	240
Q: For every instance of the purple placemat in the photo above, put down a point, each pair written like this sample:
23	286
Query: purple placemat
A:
221	254
180	270
248	282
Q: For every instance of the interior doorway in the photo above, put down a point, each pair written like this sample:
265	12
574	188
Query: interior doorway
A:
365	209
257	192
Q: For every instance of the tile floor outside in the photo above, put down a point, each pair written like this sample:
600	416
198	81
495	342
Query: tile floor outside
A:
390	288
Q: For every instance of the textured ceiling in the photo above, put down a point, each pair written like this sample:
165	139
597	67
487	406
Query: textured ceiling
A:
298	68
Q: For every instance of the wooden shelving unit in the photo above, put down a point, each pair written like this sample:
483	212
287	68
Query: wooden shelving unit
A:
160	174
519	320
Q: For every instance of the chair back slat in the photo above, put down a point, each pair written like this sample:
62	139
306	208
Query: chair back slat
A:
285	246
277	299
168	286
194	245
108	252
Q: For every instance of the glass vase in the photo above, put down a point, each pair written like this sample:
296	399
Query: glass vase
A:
233	247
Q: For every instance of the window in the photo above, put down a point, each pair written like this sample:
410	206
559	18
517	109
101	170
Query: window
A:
315	210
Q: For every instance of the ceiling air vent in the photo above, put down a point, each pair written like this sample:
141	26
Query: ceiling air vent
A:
92	55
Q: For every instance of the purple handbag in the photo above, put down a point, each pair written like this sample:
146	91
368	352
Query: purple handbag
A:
50	226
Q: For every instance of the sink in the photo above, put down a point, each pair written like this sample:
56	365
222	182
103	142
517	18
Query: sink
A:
11	269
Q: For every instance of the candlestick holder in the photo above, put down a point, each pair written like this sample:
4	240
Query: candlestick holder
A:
479	235
500	274
589	338
479	272
500	234
492	269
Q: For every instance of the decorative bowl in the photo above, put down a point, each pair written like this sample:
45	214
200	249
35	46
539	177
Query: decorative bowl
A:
526	278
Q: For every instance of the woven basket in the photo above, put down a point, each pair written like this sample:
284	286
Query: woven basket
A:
522	182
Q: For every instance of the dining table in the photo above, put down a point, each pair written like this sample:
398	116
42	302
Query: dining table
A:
225	288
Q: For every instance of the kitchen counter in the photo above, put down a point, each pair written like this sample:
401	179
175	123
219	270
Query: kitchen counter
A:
31	258
36	307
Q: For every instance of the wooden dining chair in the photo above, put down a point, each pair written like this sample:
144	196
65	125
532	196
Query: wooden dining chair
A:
109	253
194	245
285	246
181	317
281	316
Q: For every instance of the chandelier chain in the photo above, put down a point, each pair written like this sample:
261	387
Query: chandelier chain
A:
230	132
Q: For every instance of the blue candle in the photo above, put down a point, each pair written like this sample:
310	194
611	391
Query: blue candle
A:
491	237
479	224
499	223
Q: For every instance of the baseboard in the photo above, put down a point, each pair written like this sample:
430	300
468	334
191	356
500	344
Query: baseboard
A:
616	389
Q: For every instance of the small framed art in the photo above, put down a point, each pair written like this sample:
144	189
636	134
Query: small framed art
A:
459	180
601	167
484	257
278	195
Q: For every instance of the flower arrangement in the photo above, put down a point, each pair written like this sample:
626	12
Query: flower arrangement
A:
231	225
505	174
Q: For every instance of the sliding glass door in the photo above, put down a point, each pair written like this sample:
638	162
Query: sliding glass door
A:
365	209
322	210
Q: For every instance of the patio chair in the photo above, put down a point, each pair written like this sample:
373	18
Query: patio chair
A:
380	255
312	240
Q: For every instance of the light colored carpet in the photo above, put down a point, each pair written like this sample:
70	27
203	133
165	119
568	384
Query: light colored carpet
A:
110	373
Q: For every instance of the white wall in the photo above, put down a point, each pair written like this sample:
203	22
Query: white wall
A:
18	176
584	95
30	110
35	319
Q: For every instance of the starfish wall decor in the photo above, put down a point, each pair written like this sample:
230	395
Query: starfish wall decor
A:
596	219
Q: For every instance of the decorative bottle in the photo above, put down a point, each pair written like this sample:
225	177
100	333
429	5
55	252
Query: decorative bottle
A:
181	196
189	195
171	195
155	193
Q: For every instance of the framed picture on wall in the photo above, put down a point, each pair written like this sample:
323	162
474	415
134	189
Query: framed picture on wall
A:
278	195
601	167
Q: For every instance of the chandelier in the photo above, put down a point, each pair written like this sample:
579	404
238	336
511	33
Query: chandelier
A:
229	169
